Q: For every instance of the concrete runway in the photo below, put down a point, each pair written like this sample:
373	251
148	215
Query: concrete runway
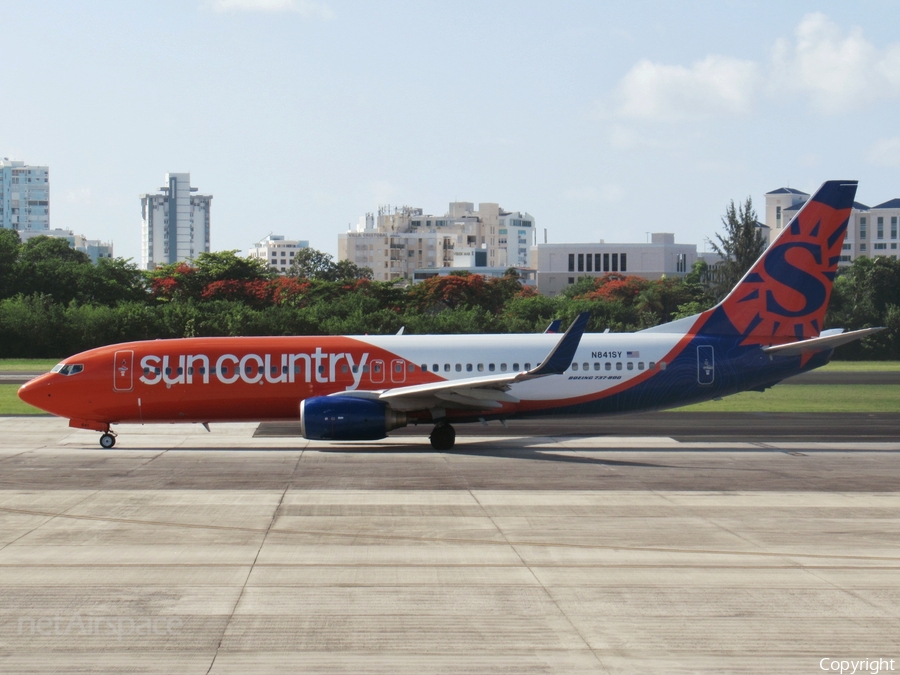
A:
229	552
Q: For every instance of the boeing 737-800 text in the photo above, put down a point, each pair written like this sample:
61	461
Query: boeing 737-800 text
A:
350	388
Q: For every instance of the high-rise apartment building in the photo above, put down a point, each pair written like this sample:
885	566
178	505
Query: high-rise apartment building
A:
175	226
405	239
24	196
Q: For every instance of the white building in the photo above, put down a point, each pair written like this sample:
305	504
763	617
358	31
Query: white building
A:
175	223
871	231
560	265
278	252
94	248
405	239
24	196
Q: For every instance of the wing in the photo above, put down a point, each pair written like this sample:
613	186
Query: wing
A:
480	393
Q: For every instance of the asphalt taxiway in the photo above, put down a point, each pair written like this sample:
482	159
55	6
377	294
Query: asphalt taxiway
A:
252	550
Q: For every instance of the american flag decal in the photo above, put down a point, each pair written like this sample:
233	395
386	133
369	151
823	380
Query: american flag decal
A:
632	355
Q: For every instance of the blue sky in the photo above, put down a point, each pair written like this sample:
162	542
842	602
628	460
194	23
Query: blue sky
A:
604	120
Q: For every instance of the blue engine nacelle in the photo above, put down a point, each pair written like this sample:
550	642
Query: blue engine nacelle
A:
344	418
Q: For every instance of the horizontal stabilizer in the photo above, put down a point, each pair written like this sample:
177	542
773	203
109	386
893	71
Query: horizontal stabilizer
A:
820	343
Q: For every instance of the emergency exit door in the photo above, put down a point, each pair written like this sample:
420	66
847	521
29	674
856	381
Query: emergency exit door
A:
123	375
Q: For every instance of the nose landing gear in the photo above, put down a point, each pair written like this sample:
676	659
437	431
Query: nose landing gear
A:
443	436
107	440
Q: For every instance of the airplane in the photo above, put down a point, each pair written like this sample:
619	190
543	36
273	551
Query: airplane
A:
358	388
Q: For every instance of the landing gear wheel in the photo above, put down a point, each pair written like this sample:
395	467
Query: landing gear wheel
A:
107	441
443	436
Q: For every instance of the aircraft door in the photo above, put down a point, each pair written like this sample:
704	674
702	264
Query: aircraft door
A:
376	372
398	371
123	371
706	367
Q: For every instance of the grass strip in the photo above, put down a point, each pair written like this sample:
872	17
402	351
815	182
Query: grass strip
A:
10	404
795	398
811	398
42	365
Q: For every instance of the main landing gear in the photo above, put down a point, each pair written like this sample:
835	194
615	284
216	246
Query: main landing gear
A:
107	440
443	436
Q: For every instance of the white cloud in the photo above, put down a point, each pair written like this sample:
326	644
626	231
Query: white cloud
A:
306	8
717	84
885	152
839	72
609	193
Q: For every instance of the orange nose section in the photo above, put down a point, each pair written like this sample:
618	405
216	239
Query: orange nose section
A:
37	393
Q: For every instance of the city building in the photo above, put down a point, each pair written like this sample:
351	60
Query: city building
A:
560	265
94	248
871	230
277	252
175	223
24	196
405	239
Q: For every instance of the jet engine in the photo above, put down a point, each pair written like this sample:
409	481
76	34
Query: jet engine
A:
344	418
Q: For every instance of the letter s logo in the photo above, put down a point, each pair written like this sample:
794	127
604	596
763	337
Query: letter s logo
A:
779	269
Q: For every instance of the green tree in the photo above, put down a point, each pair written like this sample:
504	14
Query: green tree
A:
9	258
740	246
310	263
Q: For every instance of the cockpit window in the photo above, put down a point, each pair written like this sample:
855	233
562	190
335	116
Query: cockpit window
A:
68	368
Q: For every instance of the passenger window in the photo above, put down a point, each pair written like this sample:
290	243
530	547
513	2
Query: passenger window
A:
458	367
503	367
365	369
608	365
202	370
640	365
446	367
343	368
412	368
435	367
491	367
662	365
527	366
651	365
284	369
618	365
630	365
168	371
586	366
354	369
180	371
596	365
574	366
516	366
376	368
468	367
190	370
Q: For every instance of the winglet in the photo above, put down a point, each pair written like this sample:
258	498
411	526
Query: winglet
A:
554	326
559	360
